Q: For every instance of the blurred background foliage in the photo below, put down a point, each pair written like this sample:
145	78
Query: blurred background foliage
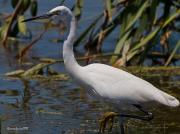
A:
11	25
143	26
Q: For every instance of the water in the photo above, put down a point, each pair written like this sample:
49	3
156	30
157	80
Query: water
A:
53	107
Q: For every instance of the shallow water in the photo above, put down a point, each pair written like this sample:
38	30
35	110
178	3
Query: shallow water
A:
62	107
53	107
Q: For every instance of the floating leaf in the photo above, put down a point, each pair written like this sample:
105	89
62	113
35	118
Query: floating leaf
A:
37	73
34	70
16	73
42	111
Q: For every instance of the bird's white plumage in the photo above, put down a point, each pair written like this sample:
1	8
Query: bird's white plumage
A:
116	84
108	82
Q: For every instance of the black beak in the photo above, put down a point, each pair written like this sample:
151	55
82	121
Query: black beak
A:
44	16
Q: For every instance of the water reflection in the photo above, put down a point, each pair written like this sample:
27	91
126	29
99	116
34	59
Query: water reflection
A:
26	95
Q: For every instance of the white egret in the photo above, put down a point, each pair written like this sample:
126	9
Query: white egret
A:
106	82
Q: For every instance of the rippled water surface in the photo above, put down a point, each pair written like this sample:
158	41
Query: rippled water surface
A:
54	107
62	107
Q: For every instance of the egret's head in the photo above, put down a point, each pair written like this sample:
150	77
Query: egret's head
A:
55	15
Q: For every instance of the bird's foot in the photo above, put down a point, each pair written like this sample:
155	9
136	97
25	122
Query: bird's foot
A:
107	118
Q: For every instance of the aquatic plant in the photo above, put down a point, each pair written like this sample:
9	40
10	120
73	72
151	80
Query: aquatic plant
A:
143	25
12	25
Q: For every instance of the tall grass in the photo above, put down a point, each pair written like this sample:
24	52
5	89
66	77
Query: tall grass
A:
141	28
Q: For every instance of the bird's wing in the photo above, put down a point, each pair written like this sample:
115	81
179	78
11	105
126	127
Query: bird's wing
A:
117	84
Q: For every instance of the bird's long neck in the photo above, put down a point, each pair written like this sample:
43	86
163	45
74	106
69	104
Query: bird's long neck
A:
70	62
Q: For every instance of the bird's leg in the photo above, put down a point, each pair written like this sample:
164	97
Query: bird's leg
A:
147	117
107	117
121	125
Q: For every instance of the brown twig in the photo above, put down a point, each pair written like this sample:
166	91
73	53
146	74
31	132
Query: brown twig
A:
24	51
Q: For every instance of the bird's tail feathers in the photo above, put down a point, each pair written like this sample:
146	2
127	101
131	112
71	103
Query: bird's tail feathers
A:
168	100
